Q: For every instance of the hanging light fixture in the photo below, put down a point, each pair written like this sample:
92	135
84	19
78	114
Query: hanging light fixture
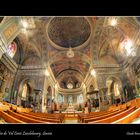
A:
70	83
70	52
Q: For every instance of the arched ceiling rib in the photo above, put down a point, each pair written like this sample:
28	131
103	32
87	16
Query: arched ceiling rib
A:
103	42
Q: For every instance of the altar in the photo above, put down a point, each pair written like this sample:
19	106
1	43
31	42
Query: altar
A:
71	111
70	108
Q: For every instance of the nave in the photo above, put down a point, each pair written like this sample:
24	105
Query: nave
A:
116	114
69	70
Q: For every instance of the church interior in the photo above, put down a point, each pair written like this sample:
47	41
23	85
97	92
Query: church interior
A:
70	69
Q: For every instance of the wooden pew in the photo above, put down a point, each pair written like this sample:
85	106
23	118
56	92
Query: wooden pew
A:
24	118
17	108
138	102
133	102
115	117
80	116
93	115
54	120
86	120
8	118
21	109
129	118
96	114
49	116
114	108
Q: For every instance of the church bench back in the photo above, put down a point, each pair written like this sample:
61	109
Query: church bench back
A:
115	117
45	115
23	118
54	120
8	118
96	114
129	118
86	120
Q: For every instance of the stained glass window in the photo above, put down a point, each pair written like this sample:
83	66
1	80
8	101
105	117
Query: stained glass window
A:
11	50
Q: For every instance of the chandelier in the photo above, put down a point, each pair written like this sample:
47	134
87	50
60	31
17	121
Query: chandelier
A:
70	53
70	83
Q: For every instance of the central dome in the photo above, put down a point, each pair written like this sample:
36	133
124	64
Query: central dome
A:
69	31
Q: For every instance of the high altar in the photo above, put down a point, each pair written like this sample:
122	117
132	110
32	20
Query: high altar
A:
70	108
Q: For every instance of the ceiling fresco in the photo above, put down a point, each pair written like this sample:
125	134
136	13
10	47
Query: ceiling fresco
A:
111	38
91	39
70	76
79	65
69	31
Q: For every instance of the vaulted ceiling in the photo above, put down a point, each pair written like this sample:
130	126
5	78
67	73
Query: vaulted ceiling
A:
47	39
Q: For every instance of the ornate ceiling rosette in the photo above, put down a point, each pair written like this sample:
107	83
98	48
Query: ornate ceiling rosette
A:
66	32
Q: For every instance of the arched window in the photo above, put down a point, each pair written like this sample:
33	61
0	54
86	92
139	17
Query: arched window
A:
24	92
60	98
11	50
116	89
80	98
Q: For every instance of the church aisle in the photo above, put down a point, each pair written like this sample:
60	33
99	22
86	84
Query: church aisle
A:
71	121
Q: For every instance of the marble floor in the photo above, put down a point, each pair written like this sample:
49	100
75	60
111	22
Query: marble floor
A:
70	121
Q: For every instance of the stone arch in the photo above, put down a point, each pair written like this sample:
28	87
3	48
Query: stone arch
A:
19	53
91	87
114	89
32	60
59	55
115	78
29	84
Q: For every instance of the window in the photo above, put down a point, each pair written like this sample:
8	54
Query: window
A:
60	98
116	89
80	99
11	50
24	92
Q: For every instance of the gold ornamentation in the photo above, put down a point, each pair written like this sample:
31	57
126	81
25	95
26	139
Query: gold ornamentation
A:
10	31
